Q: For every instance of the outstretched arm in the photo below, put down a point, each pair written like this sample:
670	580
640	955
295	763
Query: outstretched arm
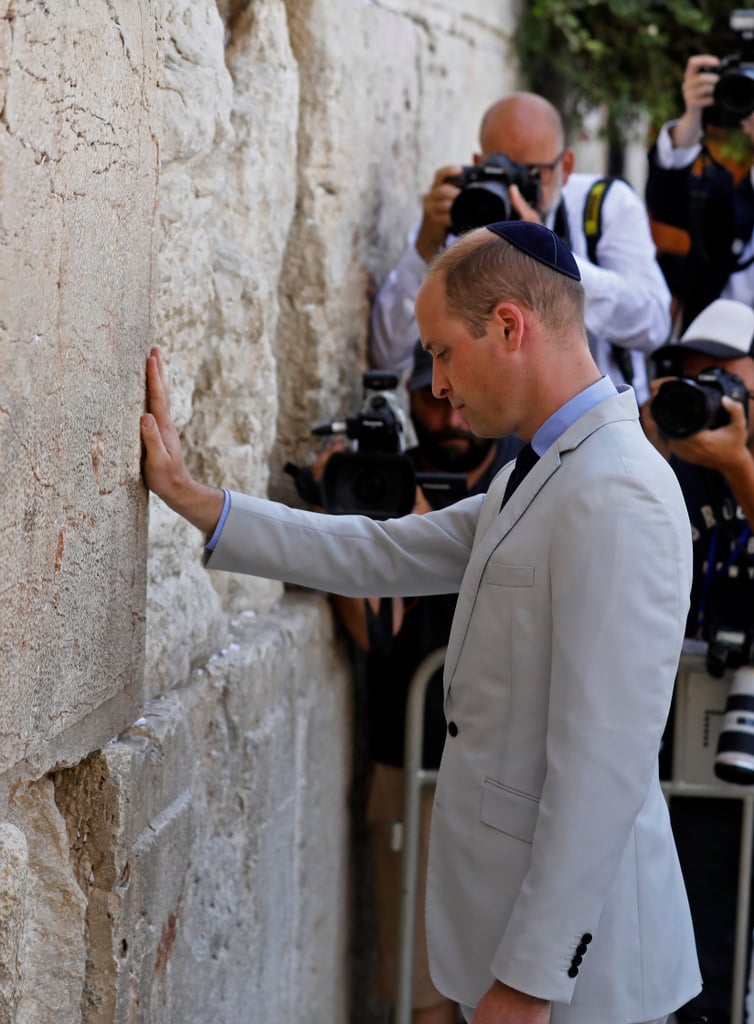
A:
165	471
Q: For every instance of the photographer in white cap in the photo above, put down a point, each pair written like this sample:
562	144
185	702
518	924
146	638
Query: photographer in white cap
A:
715	468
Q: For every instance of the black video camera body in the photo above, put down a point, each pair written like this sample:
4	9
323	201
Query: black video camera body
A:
375	477
484	197
685	405
734	92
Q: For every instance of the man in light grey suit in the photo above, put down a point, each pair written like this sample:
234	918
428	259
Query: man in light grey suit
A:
554	891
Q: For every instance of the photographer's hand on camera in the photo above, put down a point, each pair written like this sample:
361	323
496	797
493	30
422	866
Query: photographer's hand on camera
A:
524	210
724	449
436	205
698	87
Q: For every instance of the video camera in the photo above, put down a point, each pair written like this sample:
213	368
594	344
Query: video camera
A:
484	197
685	405
375	477
734	92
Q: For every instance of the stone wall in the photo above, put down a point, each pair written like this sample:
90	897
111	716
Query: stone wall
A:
229	180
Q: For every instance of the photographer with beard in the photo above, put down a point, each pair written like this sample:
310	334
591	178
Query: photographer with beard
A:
603	222
715	468
396	635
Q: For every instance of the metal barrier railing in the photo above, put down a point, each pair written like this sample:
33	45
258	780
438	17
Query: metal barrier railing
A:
415	778
699	708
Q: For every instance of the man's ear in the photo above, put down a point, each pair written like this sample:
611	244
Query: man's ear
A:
509	322
568	163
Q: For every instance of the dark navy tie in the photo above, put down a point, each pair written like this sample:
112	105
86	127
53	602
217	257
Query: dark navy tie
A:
524	462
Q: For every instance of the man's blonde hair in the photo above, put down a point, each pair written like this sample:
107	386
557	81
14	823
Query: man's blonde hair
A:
479	276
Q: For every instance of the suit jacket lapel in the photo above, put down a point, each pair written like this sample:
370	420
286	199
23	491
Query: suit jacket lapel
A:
496	523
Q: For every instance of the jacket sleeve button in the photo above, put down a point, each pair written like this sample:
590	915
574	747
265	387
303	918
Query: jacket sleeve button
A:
572	972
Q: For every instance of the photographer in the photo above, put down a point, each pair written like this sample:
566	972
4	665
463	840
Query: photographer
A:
688	189
627	300
715	468
396	635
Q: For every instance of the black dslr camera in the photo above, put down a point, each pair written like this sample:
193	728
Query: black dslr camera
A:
734	92
375	478
686	405
484	197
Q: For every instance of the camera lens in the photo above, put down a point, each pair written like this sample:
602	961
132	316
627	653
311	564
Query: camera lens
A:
735	92
376	484
480	203
734	761
370	487
681	407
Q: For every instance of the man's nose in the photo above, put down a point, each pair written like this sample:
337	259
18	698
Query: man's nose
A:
439	381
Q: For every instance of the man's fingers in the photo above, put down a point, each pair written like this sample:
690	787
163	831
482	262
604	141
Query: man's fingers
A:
159	403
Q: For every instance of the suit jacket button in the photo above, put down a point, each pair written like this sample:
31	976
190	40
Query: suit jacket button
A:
576	961
452	728
586	938
572	972
581	948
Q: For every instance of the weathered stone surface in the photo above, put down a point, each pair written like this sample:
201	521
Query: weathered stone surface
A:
211	839
54	951
79	165
14	882
231	180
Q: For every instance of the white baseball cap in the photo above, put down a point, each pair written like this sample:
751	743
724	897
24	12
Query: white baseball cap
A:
724	330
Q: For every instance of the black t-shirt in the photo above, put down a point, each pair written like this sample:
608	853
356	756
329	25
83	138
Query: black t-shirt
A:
426	626
722	592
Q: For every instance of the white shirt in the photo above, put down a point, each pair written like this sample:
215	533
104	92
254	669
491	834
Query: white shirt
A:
627	299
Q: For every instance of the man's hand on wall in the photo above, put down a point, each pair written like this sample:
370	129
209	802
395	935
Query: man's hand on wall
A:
165	471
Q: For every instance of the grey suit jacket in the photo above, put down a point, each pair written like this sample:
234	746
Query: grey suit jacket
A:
552	863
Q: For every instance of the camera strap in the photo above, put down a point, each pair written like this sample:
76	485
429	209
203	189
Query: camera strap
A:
711	573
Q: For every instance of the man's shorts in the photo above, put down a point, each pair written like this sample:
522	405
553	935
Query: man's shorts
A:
384	808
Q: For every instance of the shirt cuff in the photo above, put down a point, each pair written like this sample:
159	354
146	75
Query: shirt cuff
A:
671	158
210	545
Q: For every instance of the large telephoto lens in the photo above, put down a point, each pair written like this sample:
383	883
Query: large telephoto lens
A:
734	761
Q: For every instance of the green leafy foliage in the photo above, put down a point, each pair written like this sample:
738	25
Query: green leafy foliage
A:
625	55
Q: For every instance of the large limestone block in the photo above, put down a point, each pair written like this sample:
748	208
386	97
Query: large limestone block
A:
54	950
79	159
210	840
375	122
14	882
227	194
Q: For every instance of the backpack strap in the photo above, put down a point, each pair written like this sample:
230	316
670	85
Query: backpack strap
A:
593	232
593	215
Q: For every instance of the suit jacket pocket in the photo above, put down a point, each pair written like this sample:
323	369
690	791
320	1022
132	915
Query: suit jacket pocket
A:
499	575
509	810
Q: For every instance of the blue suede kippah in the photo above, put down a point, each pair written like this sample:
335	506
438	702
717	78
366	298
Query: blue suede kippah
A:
540	243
